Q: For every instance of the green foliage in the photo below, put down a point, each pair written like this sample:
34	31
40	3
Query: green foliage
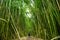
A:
19	17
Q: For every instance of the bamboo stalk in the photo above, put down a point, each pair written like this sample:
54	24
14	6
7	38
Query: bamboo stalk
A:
58	4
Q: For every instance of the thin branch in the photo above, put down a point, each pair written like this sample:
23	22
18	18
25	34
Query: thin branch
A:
58	4
55	37
3	20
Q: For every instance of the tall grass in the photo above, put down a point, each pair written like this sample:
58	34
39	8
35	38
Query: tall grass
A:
19	17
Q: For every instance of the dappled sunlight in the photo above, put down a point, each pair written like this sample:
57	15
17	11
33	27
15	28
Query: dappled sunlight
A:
32	3
28	15
27	10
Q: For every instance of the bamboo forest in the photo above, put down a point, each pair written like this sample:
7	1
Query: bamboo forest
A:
29	19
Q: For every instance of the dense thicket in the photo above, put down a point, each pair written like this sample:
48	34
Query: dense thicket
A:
40	18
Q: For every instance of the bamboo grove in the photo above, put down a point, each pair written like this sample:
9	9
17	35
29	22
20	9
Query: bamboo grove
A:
39	17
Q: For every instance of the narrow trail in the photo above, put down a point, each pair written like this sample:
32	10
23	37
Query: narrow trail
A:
29	38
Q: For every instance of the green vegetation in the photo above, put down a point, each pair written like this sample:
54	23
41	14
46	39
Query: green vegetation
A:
19	17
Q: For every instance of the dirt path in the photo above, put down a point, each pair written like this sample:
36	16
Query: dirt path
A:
29	38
